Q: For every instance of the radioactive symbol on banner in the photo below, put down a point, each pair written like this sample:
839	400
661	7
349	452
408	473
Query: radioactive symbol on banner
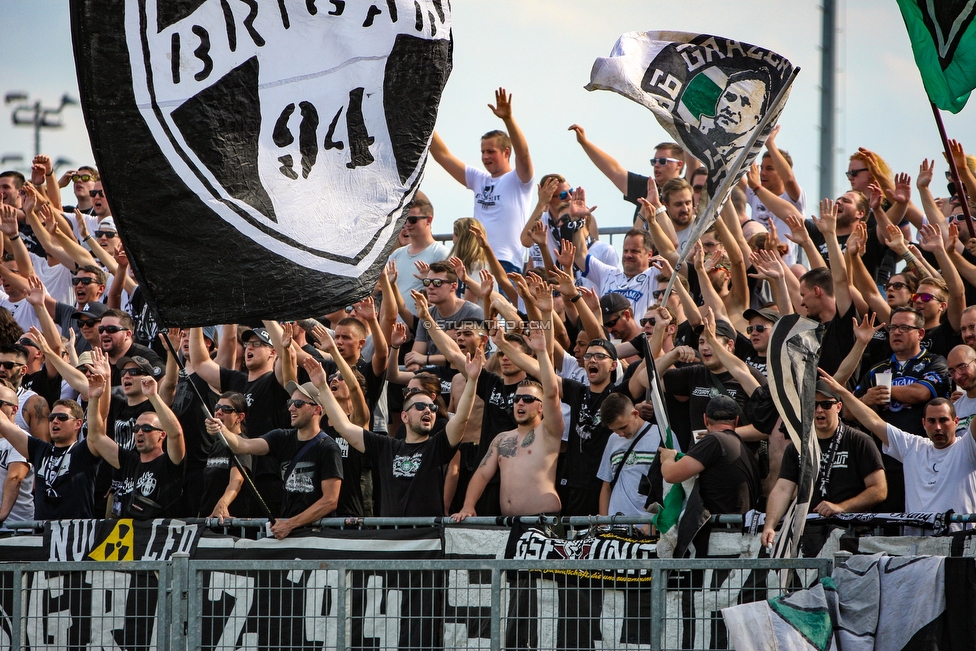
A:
118	544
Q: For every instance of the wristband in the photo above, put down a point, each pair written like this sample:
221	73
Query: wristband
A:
394	347
660	210
428	360
578	296
14	237
908	256
89	237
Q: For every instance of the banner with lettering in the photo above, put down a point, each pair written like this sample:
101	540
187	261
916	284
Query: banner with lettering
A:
259	156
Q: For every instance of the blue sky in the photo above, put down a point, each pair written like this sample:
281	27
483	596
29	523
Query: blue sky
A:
542	51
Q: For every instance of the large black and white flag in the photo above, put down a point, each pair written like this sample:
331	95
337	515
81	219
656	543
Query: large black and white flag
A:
718	98
258	154
794	349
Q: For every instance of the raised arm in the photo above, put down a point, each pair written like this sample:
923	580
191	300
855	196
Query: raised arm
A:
863	333
545	190
930	239
472	369
337	418
448	347
205	367
175	445
781	165
552	415
861	277
503	110
451	164
360	410
827	225
861	412
100	444
603	161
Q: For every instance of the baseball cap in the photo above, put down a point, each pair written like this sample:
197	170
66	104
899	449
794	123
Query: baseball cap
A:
155	371
92	311
107	224
260	333
307	389
824	388
605	345
769	314
722	329
722	407
210	332
612	303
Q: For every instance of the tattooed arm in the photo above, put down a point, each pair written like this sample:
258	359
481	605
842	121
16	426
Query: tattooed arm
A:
505	444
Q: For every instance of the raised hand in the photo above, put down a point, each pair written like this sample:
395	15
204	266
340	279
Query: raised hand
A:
958	154
478	233
896	239
8	220
100	364
827	223
96	386
591	298
399	335
930	238
536	339
902	193
423	268
148	386
420	304
752	177
35	291
391	272
287	333
547	189
925	173
487	285
566	254
662	263
539	233
503	105
316	374
457	264
864	331
41	341
580	133
473	364
324	337
876	195
541	294
798	232
766	264
565	282
652	196
577	205
365	309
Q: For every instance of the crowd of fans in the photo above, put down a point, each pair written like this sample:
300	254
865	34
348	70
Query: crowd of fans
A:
510	372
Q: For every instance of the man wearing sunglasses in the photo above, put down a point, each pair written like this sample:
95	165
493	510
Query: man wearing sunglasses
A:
445	307
760	328
917	376
150	472
618	317
16	475
64	467
115	336
82	182
32	408
421	245
773	192
309	461
634	281
851	478
502	195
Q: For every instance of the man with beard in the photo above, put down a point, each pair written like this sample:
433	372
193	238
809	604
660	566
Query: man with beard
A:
32	407
852	207
88	285
962	369
64	467
309	460
151	473
115	333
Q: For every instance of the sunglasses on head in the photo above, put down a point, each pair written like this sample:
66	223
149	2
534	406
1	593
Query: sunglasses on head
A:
28	342
59	417
298	404
227	409
134	372
525	398
111	329
106	234
648	321
825	404
422	406
757	328
664	161
96	193
11	365
84	178
436	282
925	297
83	281
146	429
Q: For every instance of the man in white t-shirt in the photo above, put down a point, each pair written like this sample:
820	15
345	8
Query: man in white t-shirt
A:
16	476
962	368
774	192
502	195
940	471
421	246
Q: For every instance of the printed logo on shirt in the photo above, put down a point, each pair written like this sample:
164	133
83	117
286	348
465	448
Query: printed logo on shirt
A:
218	462
404	466
840	459
498	399
300	480
487	198
146	484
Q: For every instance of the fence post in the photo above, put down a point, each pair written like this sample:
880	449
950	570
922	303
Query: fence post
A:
496	609
659	585
177	602
18	623
342	614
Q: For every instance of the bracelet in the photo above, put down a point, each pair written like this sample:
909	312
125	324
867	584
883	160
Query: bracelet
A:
394	347
428	360
578	296
89	237
13	238
660	210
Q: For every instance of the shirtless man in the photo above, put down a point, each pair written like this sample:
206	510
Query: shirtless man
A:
526	463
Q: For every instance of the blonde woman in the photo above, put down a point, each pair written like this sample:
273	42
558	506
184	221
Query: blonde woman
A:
469	251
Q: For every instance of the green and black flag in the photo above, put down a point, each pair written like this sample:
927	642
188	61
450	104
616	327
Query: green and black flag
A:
943	37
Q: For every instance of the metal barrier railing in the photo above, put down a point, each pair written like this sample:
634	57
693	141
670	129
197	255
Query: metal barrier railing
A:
488	604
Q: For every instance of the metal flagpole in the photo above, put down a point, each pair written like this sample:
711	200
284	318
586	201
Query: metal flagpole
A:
955	172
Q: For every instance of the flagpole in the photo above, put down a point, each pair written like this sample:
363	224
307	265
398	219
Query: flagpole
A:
960	189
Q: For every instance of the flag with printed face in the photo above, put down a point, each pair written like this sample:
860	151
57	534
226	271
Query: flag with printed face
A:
259	157
943	36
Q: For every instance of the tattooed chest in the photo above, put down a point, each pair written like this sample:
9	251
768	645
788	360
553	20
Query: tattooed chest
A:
510	445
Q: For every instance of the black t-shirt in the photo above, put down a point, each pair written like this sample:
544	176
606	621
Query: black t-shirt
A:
412	473
48	388
374	383
730	481
149	489
64	484
351	491
939	340
267	409
303	487
838	340
699	385
587	436
121	419
856	458
498	415
192	415
878	258
216	476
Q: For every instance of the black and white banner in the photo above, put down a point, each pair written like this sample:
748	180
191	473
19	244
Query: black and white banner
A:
258	155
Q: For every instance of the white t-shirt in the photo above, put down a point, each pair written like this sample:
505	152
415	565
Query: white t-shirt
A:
965	410
608	279
935	480
625	498
503	205
406	280
23	508
764	216
23	312
56	279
